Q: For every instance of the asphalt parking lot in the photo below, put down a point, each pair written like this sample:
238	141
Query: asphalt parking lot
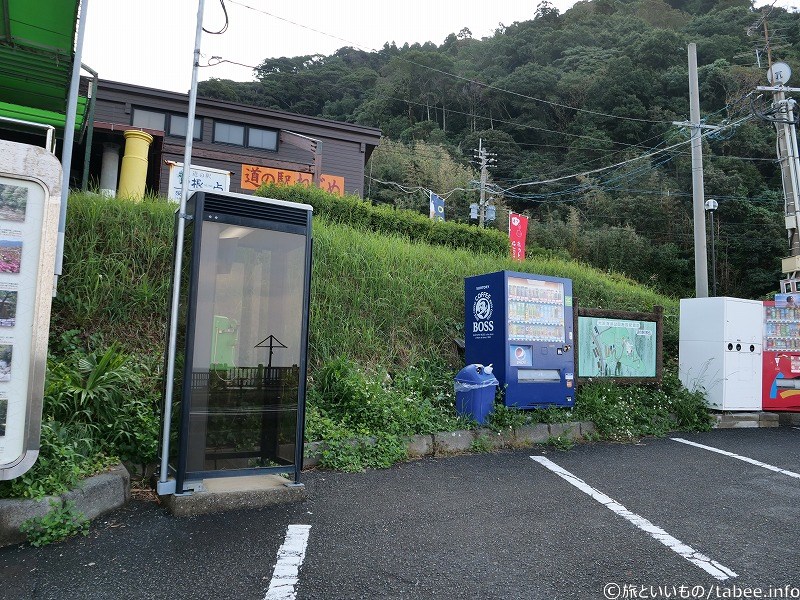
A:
658	519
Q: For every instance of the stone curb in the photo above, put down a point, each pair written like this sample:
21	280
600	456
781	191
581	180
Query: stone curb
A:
448	443
789	419
94	496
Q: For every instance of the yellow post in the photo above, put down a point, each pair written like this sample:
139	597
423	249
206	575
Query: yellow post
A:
134	164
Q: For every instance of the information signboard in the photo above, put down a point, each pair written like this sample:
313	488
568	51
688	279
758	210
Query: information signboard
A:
616	348
29	202
253	176
619	345
201	179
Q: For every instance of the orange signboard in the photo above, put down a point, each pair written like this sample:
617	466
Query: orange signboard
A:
253	176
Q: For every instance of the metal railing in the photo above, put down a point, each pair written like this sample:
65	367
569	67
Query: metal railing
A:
50	131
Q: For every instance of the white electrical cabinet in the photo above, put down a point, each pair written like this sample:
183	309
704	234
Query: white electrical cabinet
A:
720	350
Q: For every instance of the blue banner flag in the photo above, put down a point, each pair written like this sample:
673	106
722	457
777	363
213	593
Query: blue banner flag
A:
437	207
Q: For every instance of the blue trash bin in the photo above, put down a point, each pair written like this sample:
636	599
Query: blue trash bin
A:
475	387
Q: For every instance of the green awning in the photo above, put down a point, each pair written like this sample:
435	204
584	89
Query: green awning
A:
45	117
36	54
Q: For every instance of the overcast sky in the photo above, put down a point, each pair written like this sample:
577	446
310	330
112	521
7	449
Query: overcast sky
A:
150	42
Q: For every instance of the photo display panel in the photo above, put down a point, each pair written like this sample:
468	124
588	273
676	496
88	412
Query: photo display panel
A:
22	206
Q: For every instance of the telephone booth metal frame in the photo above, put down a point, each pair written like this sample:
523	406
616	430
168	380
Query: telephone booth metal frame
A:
242	338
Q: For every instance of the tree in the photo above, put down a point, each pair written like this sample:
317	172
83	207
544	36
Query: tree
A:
397	169
563	94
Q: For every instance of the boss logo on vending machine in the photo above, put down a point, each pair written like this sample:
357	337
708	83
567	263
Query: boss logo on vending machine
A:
482	309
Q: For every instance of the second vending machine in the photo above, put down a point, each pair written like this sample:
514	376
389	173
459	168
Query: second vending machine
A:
781	382
522	325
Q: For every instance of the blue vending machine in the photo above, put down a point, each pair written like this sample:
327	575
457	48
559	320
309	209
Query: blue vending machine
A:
522	325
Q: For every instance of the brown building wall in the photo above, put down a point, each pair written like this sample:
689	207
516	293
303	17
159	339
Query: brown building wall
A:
345	147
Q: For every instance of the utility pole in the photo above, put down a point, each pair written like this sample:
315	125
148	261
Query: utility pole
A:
698	191
484	159
484	175
787	156
782	116
165	485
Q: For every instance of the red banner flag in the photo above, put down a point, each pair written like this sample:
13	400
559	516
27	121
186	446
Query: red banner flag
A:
517	232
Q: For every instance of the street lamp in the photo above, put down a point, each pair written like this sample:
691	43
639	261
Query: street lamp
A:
710	206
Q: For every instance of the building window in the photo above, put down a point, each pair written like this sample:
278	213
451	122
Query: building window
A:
171	124
262	138
149	119
228	133
245	135
177	126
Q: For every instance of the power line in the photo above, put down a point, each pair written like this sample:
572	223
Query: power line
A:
514	124
497	88
591	172
727	108
453	75
419	188
619	164
224	28
488	86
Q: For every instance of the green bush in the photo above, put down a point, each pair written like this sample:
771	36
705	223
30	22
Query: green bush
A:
67	455
403	405
363	419
343	451
622	412
60	523
99	407
110	394
355	212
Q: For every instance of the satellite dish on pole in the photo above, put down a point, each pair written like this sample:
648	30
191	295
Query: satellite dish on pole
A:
779	73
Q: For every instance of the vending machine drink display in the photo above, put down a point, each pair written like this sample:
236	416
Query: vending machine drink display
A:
522	325
781	380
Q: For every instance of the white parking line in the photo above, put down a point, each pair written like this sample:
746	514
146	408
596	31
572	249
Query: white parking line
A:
752	461
290	559
711	567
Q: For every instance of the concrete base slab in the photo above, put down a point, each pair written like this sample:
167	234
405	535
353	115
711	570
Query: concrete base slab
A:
745	419
232	493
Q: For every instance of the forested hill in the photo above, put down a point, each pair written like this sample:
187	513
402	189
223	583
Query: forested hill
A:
559	98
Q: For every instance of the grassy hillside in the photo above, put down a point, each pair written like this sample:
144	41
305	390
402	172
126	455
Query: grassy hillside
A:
380	301
384	313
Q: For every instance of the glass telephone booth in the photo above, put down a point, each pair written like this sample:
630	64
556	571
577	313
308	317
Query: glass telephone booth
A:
240	367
